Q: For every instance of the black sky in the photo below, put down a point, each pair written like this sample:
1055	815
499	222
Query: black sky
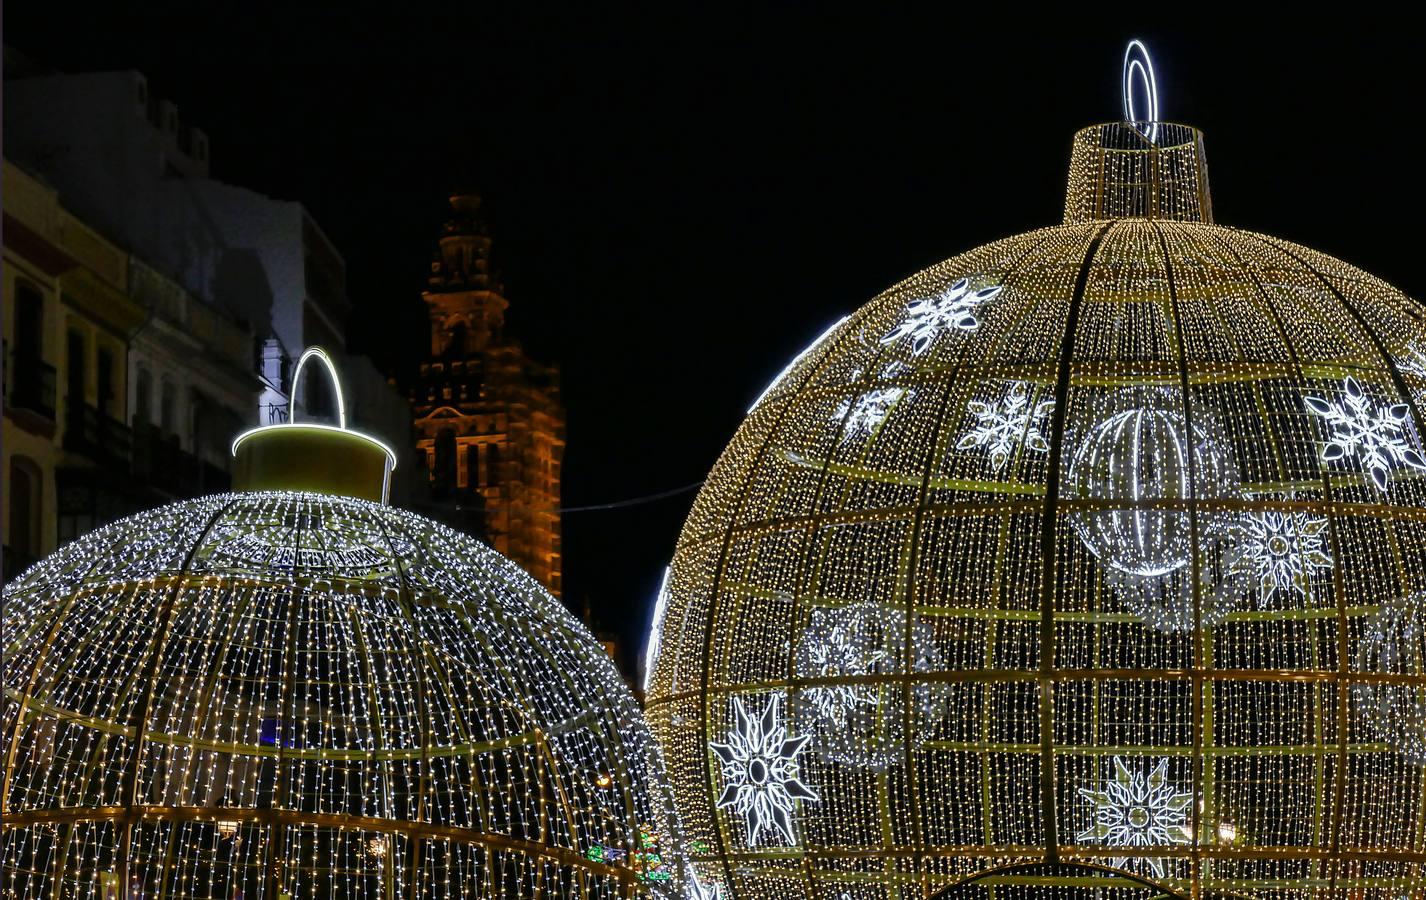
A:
681	201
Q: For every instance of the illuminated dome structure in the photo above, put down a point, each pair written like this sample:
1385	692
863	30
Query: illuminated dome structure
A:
286	695
1087	559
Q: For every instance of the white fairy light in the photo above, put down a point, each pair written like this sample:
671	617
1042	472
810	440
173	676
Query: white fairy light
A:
1137	809
1101	598
795	360
346	662
1279	550
953	309
1413	359
863	414
1138	465
651	652
761	773
1018	418
1379	435
837	650
1139	70
697	890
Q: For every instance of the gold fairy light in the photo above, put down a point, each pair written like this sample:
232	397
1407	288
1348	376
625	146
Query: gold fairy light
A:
1135	502
278	693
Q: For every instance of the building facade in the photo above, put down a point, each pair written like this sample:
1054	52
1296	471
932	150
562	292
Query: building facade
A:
117	380
488	419
125	163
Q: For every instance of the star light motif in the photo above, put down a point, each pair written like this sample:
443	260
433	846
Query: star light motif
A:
1279	550
928	318
1138	810
1010	421
865	413
761	771
1376	433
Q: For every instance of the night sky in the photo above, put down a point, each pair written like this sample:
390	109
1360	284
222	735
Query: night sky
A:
681	202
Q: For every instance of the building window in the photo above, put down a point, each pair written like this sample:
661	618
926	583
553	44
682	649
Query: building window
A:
198	425
143	399
105	373
74	372
444	472
26	508
165	409
31	382
492	466
29	321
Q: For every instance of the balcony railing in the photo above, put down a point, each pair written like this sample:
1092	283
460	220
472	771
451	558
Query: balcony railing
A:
31	385
94	434
160	462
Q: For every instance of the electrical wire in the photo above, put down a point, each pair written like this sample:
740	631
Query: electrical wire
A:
633	501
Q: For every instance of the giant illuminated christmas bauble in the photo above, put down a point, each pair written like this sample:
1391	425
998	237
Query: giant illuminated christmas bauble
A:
1099	549
287	694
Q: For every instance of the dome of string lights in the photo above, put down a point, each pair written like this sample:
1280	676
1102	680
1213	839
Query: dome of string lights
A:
278	694
1088	560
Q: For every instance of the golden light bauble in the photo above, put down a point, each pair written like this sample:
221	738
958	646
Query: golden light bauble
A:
1062	554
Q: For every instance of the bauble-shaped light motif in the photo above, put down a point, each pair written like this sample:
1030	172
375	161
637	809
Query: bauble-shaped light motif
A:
291	694
1141	463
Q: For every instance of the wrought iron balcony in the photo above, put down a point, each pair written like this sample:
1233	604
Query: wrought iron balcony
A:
32	384
95	434
161	463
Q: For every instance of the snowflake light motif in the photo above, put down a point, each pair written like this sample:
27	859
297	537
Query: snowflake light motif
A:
1011	420
865	414
837	650
1393	642
1279	550
863	723
761	771
1138	810
1375	433
928	318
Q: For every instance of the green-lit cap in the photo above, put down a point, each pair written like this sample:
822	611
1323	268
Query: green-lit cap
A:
306	456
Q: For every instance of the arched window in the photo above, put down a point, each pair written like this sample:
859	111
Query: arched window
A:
26	508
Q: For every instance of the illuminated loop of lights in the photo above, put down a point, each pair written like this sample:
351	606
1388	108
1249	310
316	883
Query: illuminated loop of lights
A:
317	353
320	354
1138	67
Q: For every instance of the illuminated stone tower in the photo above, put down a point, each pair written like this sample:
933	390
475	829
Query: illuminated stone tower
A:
488	418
